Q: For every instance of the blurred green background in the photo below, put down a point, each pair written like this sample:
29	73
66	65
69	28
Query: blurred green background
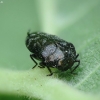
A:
76	21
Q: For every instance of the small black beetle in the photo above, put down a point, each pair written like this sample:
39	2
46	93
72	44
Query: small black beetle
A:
51	51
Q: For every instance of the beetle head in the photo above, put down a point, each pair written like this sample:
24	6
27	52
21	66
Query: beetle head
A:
29	40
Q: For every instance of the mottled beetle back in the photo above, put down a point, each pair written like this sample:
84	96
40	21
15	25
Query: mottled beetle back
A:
51	51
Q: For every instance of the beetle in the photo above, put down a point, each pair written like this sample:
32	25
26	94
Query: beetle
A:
51	51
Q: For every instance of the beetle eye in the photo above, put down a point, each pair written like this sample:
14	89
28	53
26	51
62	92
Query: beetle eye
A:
28	42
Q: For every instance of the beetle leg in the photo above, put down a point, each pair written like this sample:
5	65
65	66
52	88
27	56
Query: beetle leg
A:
41	65
76	56
76	65
32	57
51	73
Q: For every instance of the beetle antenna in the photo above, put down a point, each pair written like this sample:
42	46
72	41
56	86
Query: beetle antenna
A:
28	33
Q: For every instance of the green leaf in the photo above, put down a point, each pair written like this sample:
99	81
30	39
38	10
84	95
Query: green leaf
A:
76	22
